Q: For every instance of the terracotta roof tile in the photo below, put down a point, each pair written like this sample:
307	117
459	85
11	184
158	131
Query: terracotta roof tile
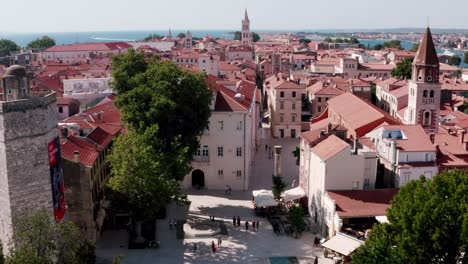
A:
362	203
426	54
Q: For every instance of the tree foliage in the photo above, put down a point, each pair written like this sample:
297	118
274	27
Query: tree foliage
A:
378	46
403	69
237	35
296	215
428	223
41	43
255	37
278	186
7	46
181	35
393	44
465	59
166	109
37	238
455	60
297	154
415	47
152	36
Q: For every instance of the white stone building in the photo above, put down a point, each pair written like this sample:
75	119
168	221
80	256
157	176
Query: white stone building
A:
284	99
406	151
227	147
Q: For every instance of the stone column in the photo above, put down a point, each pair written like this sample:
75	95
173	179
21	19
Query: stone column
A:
277	171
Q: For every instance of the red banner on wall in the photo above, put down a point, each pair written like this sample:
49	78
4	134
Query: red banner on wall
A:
56	179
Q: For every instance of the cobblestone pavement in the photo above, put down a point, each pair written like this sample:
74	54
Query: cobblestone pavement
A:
240	246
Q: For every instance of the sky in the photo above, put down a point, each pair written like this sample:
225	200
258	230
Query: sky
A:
121	15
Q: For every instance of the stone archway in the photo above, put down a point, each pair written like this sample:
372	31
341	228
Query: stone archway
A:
198	178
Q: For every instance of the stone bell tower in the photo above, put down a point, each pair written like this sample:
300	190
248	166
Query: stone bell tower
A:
424	87
246	37
27	127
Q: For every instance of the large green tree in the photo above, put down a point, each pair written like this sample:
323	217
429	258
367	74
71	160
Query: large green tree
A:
455	60
152	36
394	44
428	223
7	46
41	43
238	36
403	69
39	239
166	109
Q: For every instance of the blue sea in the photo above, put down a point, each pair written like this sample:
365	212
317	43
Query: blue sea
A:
22	39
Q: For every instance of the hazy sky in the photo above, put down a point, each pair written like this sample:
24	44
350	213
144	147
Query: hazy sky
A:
101	15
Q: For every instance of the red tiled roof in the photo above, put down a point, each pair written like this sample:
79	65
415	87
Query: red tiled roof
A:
426	54
88	152
90	46
100	137
362	203
329	147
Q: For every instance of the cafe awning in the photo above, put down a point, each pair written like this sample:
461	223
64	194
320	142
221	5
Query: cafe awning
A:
343	244
293	194
264	198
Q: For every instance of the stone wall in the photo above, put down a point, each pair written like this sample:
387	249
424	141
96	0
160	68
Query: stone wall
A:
26	128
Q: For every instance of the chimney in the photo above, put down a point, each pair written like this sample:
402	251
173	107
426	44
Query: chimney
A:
329	128
76	156
277	160
432	137
462	136
99	116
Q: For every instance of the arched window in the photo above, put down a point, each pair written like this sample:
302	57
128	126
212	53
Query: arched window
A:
427	118
431	95
425	93
205	151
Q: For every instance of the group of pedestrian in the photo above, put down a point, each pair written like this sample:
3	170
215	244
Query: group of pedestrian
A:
237	222
228	190
172	223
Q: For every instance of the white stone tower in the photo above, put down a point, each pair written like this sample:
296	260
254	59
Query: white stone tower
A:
27	128
424	87
246	37
188	41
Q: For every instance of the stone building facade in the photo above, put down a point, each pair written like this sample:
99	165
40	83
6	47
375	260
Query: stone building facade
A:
27	126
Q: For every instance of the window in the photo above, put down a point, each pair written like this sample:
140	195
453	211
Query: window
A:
239	125
326	99
366	182
431	95
427	118
428	157
205	152
238	173
293	106
281	105
425	93
198	152
220	174
293	94
220	125
282	94
220	151
319	99
281	118
293	118
60	109
239	151
203	61
319	109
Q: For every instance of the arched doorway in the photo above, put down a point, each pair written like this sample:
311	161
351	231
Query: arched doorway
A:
198	178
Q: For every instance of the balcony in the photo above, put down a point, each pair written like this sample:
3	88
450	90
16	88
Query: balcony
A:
201	159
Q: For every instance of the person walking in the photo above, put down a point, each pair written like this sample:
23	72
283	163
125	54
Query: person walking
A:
253	225
195	247
170	224
234	220
266	147
316	260
213	247
220	240
246	225
227	189
257	225
238	221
